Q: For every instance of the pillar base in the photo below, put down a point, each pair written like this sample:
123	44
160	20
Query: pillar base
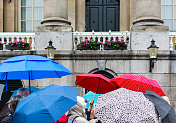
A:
150	28
148	21
55	24
54	28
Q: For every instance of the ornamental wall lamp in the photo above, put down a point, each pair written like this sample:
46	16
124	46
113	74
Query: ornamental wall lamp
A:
50	50
153	51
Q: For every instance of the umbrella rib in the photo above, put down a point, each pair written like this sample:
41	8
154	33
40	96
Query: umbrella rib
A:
57	74
2	76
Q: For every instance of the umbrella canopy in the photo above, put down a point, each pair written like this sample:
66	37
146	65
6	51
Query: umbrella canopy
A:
1	89
89	96
125	106
138	83
30	67
96	83
46	105
164	109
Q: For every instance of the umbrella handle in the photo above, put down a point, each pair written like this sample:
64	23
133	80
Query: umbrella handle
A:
94	96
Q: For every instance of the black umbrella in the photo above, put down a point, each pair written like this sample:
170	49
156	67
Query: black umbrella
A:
164	109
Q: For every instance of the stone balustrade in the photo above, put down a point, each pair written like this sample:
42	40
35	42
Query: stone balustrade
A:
100	36
172	43
6	37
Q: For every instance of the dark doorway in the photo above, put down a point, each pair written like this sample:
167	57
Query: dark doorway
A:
102	15
104	73
12	85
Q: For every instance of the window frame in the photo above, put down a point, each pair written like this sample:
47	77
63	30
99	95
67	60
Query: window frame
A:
173	19
19	15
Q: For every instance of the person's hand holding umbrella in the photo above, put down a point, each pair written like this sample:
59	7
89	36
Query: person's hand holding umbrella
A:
91	105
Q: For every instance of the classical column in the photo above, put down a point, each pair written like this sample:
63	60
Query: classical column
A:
55	16
9	16
148	13
1	15
148	25
80	15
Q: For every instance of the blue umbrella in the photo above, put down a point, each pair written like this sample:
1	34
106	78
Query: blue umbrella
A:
89	96
32	89
46	105
30	67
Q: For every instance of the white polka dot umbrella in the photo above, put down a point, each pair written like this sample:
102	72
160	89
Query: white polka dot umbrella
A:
125	106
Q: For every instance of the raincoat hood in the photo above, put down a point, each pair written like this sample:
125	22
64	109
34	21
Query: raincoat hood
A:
79	108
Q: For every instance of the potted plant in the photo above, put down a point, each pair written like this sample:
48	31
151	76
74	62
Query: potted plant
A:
118	44
91	44
18	45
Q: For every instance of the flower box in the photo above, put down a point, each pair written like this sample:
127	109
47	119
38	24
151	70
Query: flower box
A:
9	47
109	48
18	45
88	48
119	44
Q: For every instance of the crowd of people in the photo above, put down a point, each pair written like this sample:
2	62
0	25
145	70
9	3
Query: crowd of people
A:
77	114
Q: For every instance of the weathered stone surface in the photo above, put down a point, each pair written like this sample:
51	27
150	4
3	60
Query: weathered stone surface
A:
167	91
141	40
80	15
139	66
173	93
56	8
173	66
54	28
173	80
84	66
161	66
118	66
163	79
61	40
148	12
173	103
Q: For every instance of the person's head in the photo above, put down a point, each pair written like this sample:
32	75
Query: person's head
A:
23	91
14	101
79	108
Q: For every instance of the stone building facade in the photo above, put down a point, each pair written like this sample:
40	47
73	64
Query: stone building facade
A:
141	17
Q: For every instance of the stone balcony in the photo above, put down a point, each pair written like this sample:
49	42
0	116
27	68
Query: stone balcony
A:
77	37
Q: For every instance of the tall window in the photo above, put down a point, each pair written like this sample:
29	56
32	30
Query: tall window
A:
32	12
168	13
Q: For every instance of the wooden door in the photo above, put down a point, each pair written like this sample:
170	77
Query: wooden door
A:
102	15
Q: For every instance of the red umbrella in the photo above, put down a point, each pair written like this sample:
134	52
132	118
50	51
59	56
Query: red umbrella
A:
138	83
96	83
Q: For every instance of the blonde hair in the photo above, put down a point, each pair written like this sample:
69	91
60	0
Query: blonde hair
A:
14	101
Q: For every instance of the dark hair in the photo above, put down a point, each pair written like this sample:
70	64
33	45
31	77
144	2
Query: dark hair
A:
23	91
14	101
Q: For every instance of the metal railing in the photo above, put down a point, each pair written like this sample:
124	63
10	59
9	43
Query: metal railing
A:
6	37
100	36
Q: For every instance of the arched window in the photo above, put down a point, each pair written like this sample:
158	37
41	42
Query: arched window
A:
32	12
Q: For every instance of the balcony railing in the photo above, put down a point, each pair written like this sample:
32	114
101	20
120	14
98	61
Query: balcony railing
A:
100	36
172	38
5	37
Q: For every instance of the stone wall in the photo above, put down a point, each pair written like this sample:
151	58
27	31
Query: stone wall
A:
117	63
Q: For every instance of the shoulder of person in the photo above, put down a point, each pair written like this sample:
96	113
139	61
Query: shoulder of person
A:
93	121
